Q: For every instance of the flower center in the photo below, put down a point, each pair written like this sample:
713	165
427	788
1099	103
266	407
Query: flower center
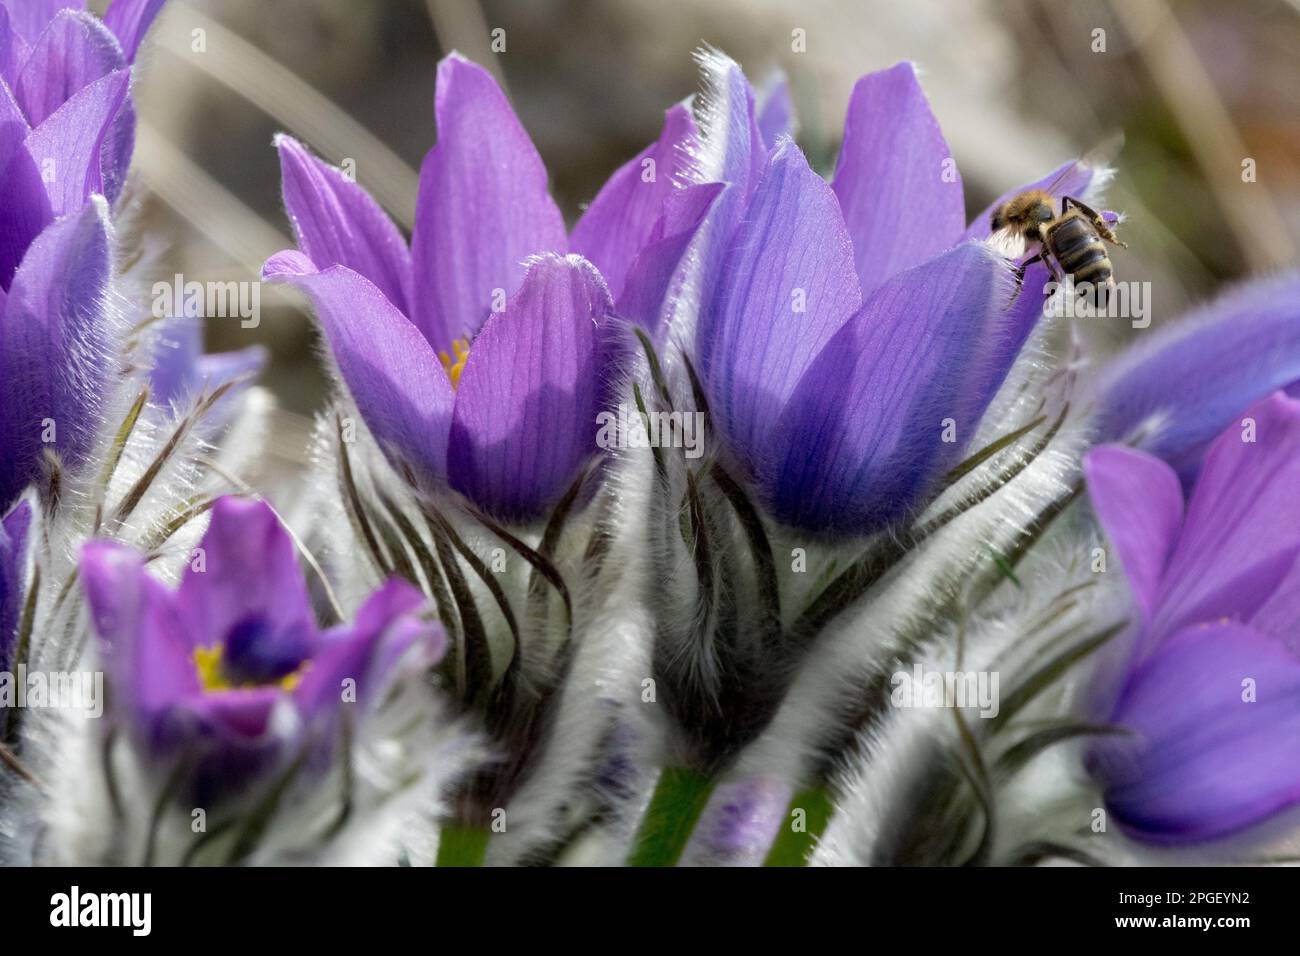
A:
461	349
252	655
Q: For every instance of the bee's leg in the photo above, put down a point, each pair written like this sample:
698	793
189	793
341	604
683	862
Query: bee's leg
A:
1103	227
1020	275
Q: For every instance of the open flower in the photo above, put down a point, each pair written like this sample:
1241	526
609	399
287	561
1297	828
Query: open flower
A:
1212	689
231	669
851	335
477	356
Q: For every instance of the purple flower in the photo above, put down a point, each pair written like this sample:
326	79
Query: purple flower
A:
55	349
231	668
66	123
843	327
508	415
13	573
1212	689
182	370
1174	391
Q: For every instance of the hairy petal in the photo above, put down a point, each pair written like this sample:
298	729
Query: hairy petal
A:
526	405
393	374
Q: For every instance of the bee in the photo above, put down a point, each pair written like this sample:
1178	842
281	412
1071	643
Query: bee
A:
1071	242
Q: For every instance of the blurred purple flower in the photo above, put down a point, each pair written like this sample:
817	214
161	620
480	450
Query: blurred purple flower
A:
521	328
13	572
841	326
56	344
1212	689
1175	390
231	668
181	370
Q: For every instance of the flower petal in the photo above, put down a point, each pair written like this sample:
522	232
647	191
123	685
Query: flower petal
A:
73	51
336	222
384	629
787	285
776	115
526	405
896	181
862	437
394	376
1182	384
55	343
621	218
130	21
1241	537
1140	505
143	640
57	167
250	574
651	288
1207	759
30	17
483	206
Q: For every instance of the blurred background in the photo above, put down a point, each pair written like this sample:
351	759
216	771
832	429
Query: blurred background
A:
1197	87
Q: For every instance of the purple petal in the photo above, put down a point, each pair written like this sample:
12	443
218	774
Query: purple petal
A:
655	277
776	116
896	180
385	628
861	440
130	21
1205	762
250	581
13	577
394	376
483	206
66	147
142	638
526	406
621	218
55	343
181	370
336	222
1191	378
1140	505
71	53
1241	537
1069	179
754	342
30	17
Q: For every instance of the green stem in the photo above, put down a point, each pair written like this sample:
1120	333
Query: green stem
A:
461	845
678	800
806	820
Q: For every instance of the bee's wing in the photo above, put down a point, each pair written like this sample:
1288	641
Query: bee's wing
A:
1100	156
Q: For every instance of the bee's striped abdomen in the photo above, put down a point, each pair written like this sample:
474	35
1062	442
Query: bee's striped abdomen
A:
1079	250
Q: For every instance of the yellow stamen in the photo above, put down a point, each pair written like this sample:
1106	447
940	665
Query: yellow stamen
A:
213	677
461	348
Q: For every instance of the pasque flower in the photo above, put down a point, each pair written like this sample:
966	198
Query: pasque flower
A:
507	415
1212	690
230	669
844	327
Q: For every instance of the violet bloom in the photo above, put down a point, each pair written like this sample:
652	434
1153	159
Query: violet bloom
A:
55	348
1180	385
843	327
477	356
66	123
231	668
1212	690
13	573
181	370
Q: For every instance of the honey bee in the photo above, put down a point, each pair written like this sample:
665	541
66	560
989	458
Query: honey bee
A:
1071	242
